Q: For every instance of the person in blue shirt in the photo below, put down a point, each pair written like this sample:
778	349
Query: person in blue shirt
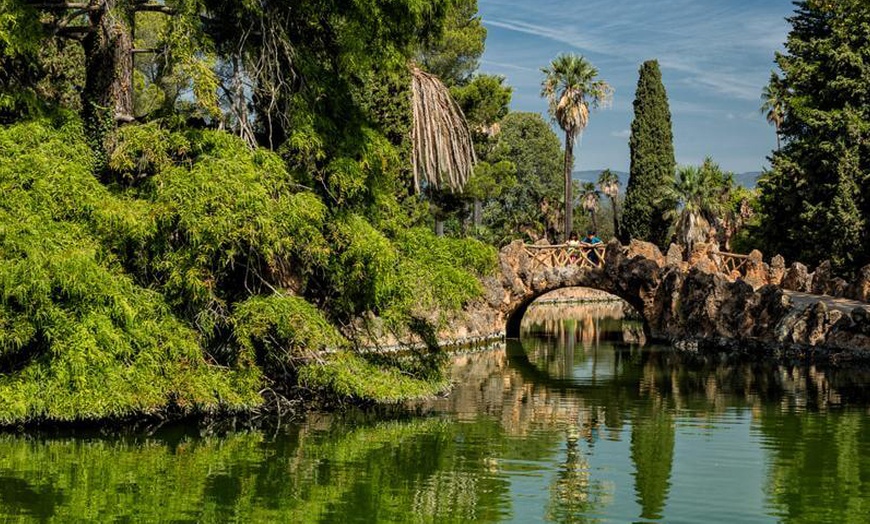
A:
590	240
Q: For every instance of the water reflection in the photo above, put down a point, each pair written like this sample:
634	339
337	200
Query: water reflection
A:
570	425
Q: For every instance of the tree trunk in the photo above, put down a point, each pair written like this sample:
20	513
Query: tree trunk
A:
594	221
107	97
569	184
439	227
616	232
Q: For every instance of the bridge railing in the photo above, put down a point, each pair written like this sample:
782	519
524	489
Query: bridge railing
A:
592	256
561	255
732	262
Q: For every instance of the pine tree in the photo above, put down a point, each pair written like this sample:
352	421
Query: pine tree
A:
813	198
652	160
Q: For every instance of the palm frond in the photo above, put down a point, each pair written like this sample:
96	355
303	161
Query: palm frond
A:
442	151
572	91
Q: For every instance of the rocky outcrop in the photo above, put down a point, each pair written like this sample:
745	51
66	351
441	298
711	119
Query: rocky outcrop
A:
797	278
777	270
757	273
860	289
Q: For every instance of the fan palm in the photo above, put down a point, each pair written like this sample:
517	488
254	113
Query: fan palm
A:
571	91
589	199
773	107
698	204
608	182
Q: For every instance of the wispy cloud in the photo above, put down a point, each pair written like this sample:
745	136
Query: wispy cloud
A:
715	57
506	65
623	133
709	44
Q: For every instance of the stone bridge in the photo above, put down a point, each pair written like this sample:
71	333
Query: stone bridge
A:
708	300
704	300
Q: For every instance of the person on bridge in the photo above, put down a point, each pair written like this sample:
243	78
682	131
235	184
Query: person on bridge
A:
589	241
573	244
591	238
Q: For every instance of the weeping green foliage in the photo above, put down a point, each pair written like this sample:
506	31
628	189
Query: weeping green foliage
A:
115	300
412	275
409	281
364	271
230	225
280	329
440	273
85	340
141	151
350	375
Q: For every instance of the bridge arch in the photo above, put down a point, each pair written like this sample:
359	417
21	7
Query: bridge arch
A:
514	315
712	298
528	272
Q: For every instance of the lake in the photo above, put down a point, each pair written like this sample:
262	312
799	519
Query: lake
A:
574	423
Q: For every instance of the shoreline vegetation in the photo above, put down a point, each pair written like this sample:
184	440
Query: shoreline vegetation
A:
193	212
122	301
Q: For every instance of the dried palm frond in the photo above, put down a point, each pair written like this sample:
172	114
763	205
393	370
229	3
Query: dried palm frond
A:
442	151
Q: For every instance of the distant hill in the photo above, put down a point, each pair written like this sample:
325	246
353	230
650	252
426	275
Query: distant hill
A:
748	179
591	175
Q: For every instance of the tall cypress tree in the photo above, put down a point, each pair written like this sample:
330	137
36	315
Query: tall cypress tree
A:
814	198
652	160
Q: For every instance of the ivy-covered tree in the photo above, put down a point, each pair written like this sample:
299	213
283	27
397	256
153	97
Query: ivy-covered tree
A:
652	168
814	198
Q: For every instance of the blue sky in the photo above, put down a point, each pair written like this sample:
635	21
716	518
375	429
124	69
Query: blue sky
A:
715	56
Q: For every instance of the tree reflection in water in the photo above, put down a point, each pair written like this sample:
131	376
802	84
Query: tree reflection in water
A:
531	416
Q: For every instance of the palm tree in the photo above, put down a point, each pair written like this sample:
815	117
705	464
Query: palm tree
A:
608	182
773	107
698	204
571	91
589	199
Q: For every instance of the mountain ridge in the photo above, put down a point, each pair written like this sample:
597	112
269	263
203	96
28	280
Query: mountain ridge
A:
748	179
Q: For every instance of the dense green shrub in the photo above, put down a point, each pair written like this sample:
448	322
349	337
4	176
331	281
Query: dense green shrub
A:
439	273
118	299
84	340
348	374
279	330
229	223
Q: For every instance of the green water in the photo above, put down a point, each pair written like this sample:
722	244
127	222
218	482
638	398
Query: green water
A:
572	425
